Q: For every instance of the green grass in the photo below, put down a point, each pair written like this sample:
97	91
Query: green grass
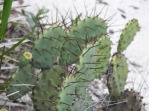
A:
5	15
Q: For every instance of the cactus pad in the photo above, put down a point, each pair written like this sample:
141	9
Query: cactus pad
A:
67	94
45	92
89	29
23	81
93	63
117	79
128	34
46	49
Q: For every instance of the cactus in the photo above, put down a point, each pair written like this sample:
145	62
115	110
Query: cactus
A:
23	81
128	34
81	33
47	88
93	63
86	44
118	78
46	49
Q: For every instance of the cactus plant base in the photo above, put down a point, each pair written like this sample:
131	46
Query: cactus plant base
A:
128	101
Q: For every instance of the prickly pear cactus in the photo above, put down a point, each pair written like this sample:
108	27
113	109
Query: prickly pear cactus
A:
128	34
84	43
47	88
22	81
93	63
81	33
46	47
117	79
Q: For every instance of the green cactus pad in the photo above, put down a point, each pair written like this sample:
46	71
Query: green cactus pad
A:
67	94
89	29
128	34
46	90
117	79
93	63
23	81
81	33
46	49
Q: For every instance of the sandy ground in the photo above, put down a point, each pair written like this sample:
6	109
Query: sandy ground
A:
123	11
